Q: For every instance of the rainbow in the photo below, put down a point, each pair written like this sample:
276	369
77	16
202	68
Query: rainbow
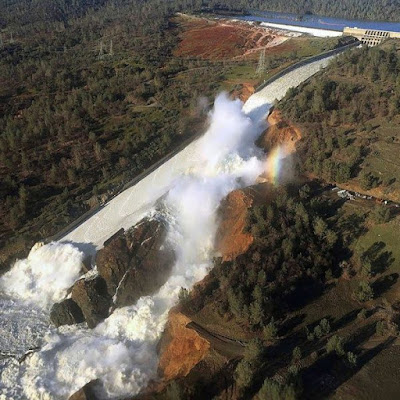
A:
274	164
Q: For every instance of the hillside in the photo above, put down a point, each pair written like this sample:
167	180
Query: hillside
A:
304	302
92	97
285	289
349	117
308	311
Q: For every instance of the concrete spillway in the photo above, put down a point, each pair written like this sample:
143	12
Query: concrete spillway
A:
130	206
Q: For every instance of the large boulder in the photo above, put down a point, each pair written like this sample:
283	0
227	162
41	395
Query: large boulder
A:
67	312
113	261
132	264
92	298
137	263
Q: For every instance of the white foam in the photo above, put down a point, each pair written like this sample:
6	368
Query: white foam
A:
44	277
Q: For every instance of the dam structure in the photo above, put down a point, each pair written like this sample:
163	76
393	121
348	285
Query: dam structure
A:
370	37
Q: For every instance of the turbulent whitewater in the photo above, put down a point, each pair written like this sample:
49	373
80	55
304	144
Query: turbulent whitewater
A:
121	351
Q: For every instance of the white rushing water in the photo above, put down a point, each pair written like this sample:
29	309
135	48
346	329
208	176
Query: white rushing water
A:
121	351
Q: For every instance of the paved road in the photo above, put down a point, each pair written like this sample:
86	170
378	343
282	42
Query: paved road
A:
224	345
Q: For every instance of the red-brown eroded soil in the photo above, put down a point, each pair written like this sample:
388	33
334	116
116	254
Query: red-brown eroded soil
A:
232	238
222	39
181	348
280	132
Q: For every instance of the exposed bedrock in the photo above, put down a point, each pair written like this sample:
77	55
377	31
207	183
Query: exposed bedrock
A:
137	263
86	393
133	264
66	313
92	298
232	238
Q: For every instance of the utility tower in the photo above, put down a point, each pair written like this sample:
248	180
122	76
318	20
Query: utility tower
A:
111	48
261	63
101	51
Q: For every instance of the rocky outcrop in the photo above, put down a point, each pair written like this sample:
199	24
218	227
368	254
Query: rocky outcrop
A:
280	132
86	393
132	264
92	298
66	312
243	91
136	264
180	348
113	261
232	238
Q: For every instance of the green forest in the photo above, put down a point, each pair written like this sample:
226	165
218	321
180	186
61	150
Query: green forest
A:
385	10
350	116
90	96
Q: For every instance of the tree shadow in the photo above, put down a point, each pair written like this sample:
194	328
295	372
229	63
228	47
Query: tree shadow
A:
222	381
378	259
383	262
328	373
354	224
365	151
362	335
291	323
346	319
384	283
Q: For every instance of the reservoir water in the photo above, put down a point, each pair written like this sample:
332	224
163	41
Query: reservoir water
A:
317	22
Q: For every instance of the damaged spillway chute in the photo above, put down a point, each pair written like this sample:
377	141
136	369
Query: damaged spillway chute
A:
121	350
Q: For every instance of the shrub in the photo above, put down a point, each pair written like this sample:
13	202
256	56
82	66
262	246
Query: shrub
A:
335	343
325	326
369	181
364	292
318	332
381	214
183	294
273	390
362	314
297	353
380	328
270	331
174	392
243	374
248	367
352	358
